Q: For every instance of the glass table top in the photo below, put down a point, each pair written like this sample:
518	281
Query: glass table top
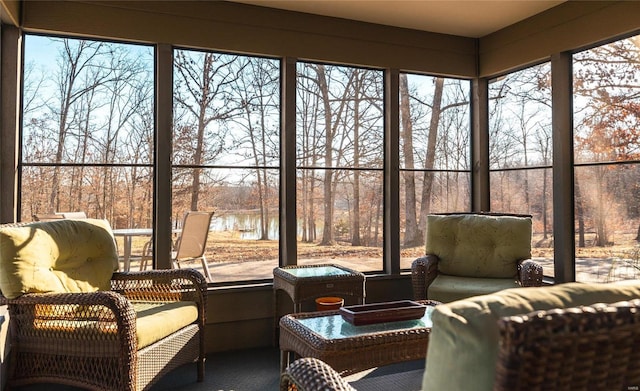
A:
321	271
335	327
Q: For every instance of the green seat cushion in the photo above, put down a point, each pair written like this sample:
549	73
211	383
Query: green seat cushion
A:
478	245
450	288
158	320
57	256
154	321
463	343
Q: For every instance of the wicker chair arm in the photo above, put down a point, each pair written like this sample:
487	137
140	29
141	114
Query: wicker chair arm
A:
164	285
423	271
58	304
104	315
311	374
529	273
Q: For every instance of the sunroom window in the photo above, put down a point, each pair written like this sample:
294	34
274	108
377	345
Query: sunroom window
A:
339	159
606	82
226	133
435	155
520	153
87	131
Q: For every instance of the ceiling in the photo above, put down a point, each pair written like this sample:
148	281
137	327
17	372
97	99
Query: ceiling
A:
471	18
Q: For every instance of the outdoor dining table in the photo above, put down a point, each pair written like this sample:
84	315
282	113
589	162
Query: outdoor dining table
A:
127	234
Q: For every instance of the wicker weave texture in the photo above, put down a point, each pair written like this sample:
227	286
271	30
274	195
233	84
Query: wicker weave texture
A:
587	348
159	359
310	374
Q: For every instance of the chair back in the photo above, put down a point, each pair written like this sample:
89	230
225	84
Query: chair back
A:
479	244
580	348
74	215
59	256
46	217
59	216
193	239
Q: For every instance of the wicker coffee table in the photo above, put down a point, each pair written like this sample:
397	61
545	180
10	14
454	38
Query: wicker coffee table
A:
350	349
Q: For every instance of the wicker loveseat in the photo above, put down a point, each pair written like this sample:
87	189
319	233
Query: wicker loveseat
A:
75	320
565	337
470	254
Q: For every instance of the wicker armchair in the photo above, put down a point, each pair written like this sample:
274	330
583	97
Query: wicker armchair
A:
592	347
124	337
583	348
469	254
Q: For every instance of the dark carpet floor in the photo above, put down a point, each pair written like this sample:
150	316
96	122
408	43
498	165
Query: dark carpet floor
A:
259	370
243	370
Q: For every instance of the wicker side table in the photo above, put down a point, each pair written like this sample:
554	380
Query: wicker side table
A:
307	282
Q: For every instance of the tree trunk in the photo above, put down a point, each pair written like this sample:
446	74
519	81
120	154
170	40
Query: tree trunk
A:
327	231
600	220
355	234
411	232
544	204
431	153
580	215
197	155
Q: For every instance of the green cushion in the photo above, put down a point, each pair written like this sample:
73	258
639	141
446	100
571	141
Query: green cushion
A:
451	288
154	322
463	343
158	320
478	245
57	256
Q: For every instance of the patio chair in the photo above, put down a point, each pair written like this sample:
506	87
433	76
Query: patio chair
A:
73	215
59	215
192	242
190	245
75	320
469	254
46	217
564	337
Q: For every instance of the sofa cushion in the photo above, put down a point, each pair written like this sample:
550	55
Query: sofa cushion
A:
158	320
450	288
478	245
57	256
463	343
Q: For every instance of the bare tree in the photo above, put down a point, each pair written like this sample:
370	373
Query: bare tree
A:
606	129
412	235
427	118
308	145
357	91
76	121
257	91
425	204
331	127
76	59
543	139
203	90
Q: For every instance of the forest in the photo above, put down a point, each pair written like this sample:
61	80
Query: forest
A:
88	142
